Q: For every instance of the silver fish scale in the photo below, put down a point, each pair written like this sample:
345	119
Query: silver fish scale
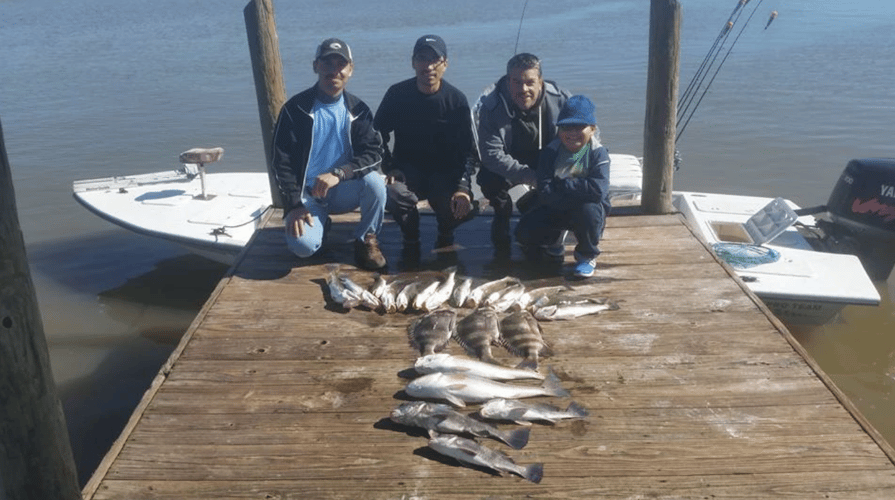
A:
478	331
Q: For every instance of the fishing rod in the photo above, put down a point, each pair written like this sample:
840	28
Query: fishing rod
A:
709	59
718	68
518	33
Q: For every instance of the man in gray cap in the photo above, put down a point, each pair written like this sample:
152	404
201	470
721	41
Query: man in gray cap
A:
327	156
432	148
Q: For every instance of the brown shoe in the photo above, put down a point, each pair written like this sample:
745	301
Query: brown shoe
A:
367	253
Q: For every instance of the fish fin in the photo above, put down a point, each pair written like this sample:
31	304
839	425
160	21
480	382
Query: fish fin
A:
534	472
518	438
454	400
517	416
553	385
577	410
528	364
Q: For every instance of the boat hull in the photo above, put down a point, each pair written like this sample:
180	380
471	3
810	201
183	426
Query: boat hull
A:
798	284
171	206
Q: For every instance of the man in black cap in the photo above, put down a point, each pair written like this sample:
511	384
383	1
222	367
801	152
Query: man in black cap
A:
432	149
327	156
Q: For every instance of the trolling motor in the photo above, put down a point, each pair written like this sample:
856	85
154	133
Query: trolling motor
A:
859	217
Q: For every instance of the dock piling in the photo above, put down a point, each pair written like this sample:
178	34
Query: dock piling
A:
36	460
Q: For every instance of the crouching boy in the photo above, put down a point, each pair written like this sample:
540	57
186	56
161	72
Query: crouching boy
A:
573	187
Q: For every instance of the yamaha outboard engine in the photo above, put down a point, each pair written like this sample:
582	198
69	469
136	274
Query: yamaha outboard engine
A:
862	209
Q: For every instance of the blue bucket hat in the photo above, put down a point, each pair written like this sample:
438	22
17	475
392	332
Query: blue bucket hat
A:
578	110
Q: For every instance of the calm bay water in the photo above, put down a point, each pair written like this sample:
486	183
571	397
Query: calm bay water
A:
95	88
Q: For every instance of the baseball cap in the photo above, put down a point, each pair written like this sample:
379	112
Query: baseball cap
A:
333	46
578	110
432	41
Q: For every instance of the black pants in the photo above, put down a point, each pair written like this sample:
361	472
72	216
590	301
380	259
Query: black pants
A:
543	225
403	197
495	188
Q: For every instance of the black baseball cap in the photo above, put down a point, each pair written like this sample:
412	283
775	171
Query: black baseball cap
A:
434	42
333	46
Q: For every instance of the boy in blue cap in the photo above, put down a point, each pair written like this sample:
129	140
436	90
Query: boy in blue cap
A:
573	188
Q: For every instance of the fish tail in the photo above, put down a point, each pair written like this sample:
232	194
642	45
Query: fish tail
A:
553	385
577	410
534	472
516	439
530	363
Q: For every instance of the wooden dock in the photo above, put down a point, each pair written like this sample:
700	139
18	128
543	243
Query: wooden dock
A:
694	390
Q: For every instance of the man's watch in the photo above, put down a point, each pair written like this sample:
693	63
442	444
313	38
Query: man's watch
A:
340	173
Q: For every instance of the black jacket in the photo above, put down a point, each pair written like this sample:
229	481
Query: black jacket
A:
293	137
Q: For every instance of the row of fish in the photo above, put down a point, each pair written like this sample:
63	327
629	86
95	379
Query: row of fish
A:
459	381
519	332
428	294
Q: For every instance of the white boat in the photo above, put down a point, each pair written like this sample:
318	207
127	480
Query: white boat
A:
213	215
757	238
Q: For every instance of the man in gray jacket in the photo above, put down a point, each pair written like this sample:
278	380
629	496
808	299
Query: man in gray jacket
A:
516	121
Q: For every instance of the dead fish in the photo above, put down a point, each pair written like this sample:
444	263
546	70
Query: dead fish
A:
459	389
430	333
337	289
458	297
442	293
545	292
508	298
379	287
405	296
524	413
570	311
469	452
478	294
477	332
558	298
366	298
442	418
424	294
445	363
521	334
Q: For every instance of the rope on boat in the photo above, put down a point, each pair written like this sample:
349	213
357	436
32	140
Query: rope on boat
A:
744	256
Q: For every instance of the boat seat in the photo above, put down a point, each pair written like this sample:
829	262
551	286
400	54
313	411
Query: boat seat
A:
202	155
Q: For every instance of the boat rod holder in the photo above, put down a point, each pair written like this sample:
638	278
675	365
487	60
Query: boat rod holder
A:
201	156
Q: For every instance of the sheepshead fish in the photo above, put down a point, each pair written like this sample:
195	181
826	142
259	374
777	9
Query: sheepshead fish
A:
477	332
574	310
459	389
469	452
445	363
524	413
337	290
442	418
478	294
432	332
442	293
458	297
520	333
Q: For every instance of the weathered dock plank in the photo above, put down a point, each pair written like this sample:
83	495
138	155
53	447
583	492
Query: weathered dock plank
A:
693	390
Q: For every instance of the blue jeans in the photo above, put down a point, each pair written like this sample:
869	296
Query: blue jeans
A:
367	192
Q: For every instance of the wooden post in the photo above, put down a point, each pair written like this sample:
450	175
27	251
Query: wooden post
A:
264	48
35	454
661	106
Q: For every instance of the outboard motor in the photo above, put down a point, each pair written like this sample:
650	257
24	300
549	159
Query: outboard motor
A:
861	209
